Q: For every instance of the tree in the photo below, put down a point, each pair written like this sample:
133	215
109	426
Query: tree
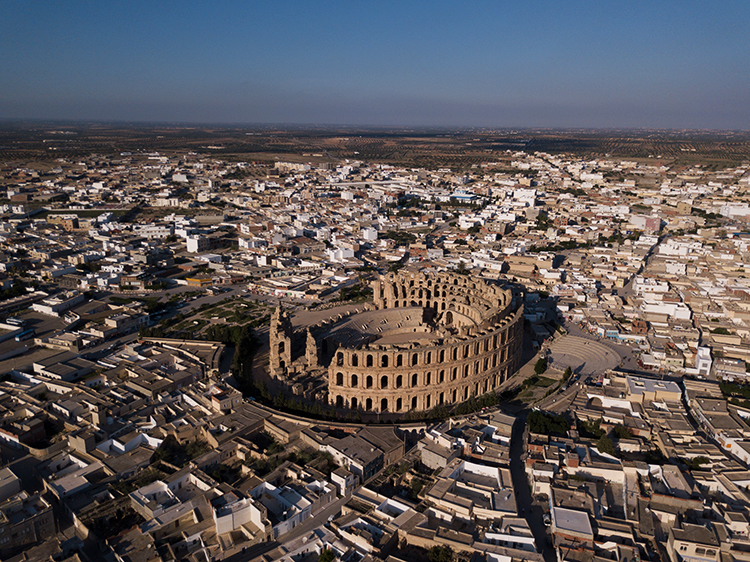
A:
545	423
541	365
416	487
622	432
697	462
440	554
605	445
566	374
327	556
461	269
591	428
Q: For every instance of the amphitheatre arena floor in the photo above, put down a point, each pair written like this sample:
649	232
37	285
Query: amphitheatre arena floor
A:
582	355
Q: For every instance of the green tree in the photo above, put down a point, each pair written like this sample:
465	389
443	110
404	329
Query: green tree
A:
605	445
622	432
545	423
566	375
697	462
541	365
416	487
440	554
591	428
327	556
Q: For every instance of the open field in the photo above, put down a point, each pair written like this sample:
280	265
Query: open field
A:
32	143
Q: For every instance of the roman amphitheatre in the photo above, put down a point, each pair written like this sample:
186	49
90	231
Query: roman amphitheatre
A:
427	339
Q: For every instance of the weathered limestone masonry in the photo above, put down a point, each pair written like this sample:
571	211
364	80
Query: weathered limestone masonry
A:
280	340
435	338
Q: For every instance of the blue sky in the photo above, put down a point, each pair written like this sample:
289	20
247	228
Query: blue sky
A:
681	64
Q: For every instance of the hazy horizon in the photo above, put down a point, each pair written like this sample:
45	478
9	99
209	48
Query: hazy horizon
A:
584	65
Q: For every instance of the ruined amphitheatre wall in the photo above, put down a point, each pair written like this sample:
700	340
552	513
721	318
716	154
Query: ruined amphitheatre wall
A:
482	347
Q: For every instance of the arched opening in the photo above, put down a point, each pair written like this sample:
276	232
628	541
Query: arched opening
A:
448	316
428	378
442	397
428	358
355	380
454	395
339	401
414	359
466	351
399	360
399	404
441	377
384	361
399	381
414	403
427	402
442	356
384	405
455	353
466	371
368	382
414	380
355	360
354	403
383	382
368	404
339	359
339	379
369	360
282	365
282	347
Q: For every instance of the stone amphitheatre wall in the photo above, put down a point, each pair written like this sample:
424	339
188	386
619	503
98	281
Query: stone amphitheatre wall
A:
484	351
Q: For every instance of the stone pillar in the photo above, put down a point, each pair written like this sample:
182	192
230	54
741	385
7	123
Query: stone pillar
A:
311	351
280	341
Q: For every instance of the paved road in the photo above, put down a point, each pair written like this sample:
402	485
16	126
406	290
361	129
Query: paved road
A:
531	510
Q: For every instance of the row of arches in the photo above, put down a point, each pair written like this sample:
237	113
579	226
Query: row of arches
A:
396	288
413	380
388	359
423	401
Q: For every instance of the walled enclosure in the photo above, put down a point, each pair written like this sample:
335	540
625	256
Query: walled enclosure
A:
434	338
